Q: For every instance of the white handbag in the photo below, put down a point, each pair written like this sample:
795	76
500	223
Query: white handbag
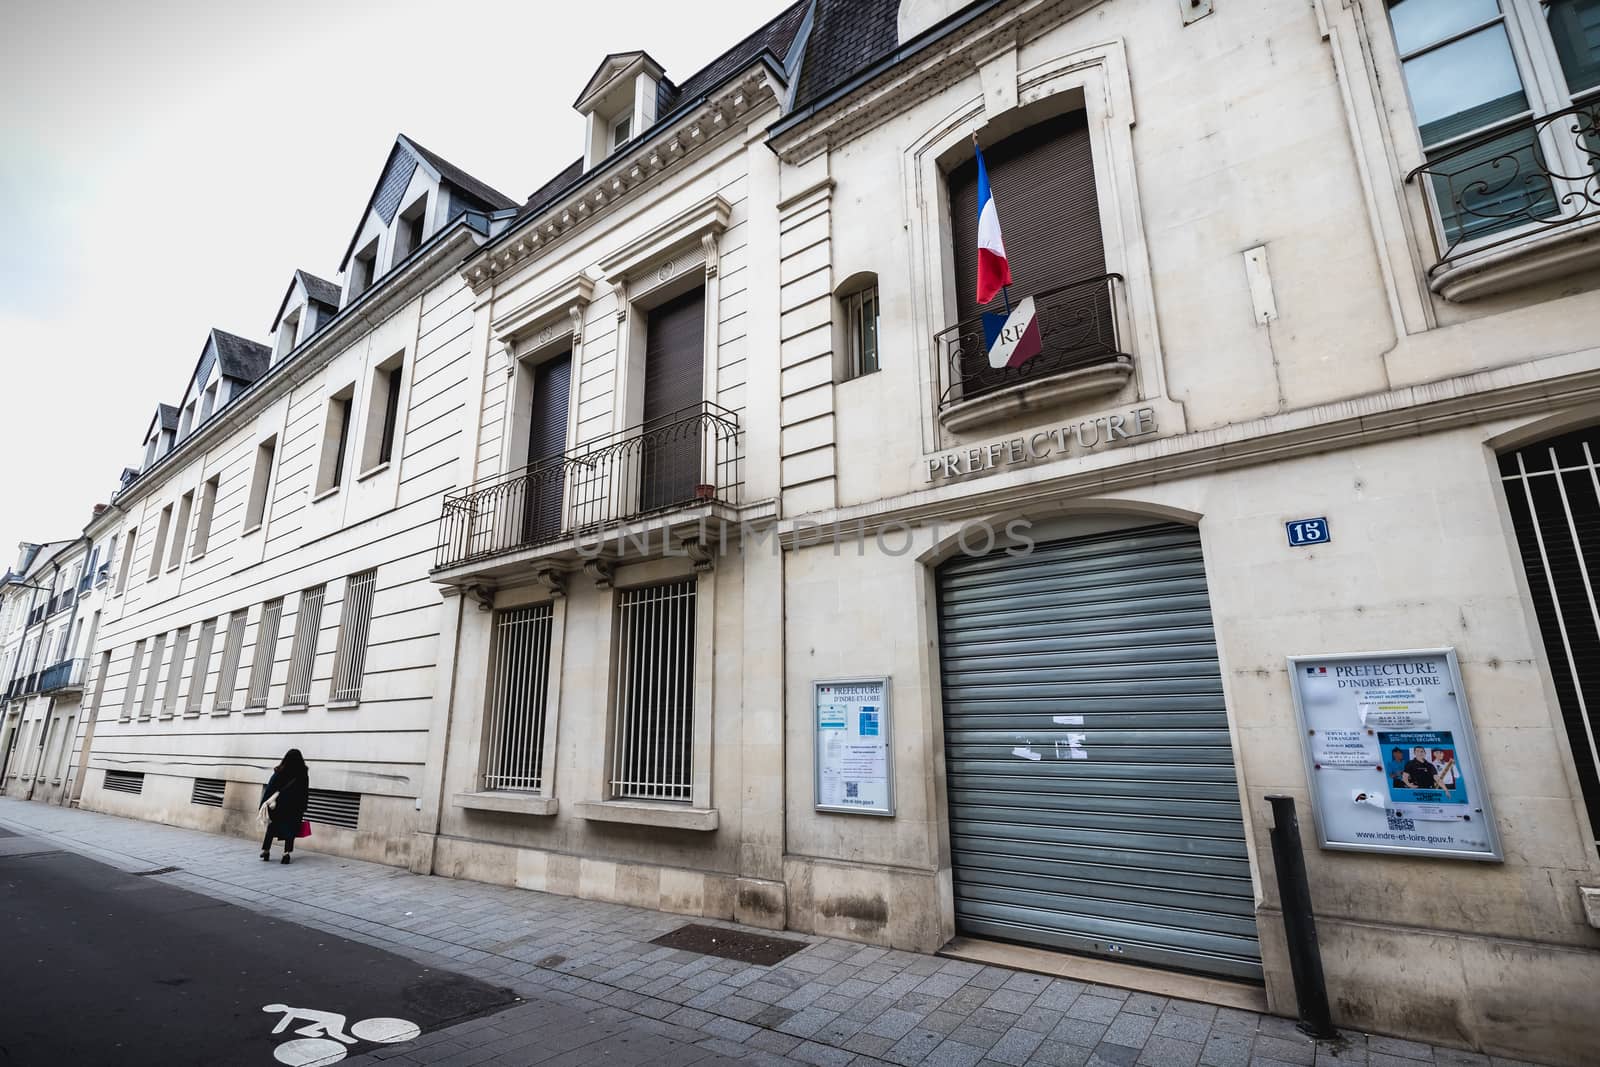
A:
263	813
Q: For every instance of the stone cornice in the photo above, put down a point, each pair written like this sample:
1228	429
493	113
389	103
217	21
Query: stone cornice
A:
947	57
662	150
1523	391
546	310
709	216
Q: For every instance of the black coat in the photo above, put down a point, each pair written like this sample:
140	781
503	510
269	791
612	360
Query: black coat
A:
290	807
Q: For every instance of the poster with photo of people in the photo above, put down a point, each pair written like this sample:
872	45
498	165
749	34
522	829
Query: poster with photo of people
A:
1390	756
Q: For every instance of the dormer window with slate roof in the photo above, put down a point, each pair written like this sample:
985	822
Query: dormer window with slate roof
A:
619	103
308	303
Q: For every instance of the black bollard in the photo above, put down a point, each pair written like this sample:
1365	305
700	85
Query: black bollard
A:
1299	925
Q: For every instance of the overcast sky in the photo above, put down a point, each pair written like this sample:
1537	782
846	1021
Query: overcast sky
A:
166	164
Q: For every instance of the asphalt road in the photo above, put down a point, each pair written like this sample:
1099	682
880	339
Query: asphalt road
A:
98	966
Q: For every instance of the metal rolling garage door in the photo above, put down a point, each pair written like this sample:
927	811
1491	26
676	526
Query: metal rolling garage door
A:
1093	804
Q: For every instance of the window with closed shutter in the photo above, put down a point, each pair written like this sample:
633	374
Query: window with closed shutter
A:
547	442
673	387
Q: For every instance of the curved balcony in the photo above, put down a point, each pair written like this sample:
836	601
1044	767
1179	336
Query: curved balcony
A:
1517	204
643	482
1081	355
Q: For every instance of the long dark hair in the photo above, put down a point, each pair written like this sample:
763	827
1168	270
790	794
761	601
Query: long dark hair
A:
293	765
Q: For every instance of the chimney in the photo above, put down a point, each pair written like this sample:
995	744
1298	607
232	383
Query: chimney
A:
25	553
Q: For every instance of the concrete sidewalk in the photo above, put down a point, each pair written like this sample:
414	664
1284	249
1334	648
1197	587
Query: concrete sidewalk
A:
597	990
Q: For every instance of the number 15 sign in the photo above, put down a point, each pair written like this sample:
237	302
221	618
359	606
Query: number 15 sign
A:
1307	532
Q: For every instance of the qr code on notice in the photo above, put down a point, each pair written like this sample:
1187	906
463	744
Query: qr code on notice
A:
852	789
1398	821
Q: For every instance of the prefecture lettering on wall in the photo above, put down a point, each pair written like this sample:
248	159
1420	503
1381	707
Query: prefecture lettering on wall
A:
1391	756
854	758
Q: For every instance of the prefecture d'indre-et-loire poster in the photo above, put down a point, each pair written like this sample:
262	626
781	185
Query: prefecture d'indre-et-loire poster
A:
1390	754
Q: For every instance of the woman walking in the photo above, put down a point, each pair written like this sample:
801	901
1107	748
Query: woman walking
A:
283	803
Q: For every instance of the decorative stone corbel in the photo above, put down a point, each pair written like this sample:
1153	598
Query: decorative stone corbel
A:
709	243
575	313
603	571
619	286
551	580
483	596
700	554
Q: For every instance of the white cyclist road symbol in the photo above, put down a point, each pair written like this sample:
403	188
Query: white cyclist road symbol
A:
325	1035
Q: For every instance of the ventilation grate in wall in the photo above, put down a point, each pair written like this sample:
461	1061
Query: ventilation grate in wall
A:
125	781
208	792
333	808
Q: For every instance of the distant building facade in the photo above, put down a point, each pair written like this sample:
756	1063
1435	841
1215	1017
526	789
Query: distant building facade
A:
557	533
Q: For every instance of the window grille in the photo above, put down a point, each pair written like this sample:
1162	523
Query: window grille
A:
654	717
202	666
355	623
151	675
303	653
861	330
125	781
180	649
266	647
133	680
514	730
208	792
228	670
330	807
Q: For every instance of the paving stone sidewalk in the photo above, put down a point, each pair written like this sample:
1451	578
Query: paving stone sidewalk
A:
596	990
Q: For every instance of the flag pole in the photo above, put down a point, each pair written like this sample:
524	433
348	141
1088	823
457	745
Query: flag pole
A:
1005	290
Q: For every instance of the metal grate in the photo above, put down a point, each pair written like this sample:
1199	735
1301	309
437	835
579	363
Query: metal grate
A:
208	792
151	676
514	731
1553	492
133	680
333	808
266	648
303	653
355	622
180	650
125	781
228	671
654	724
202	666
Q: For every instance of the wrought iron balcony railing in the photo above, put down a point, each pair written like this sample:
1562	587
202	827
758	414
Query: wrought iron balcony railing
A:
62	601
681	460
38	614
68	674
1078	330
1540	172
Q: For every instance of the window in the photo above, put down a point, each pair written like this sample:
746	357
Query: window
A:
335	441
861	332
411	231
266	649
133	681
152	674
208	402
288	333
202	666
383	413
303	652
364	270
202	524
355	622
228	670
1478	92
185	506
187	422
180	651
653	729
256	509
127	558
621	130
160	545
514	725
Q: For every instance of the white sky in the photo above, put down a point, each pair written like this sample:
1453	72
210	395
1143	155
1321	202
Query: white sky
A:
165	165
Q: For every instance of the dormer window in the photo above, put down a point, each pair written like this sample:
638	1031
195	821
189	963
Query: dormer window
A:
410	231
208	402
621	130
619	103
364	269
288	332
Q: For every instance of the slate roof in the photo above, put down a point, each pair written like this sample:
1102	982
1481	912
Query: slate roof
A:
846	36
459	178
319	289
242	360
168	416
776	36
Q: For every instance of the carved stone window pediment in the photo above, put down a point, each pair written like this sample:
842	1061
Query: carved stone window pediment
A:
546	318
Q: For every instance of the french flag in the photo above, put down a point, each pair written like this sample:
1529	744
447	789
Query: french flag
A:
993	271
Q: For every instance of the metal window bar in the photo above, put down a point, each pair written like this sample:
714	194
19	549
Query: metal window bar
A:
303	653
514	730
202	666
653	729
355	625
152	673
1560	500
228	670
133	681
266	648
687	459
180	650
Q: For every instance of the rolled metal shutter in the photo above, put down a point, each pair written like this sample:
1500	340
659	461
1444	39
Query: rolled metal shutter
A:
1093	802
547	442
669	451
